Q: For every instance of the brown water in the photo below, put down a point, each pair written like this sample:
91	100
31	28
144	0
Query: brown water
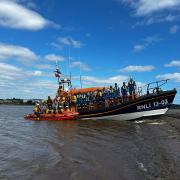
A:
88	150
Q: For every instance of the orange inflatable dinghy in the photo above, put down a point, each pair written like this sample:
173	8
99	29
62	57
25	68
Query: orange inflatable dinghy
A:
53	117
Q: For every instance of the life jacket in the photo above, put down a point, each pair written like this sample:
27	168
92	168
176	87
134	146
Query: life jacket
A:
74	99
37	109
100	94
124	89
63	99
116	89
131	85
111	90
83	99
49	101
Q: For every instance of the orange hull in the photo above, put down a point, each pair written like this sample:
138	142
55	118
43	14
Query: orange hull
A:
52	117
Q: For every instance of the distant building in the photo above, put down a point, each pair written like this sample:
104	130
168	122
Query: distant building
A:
19	101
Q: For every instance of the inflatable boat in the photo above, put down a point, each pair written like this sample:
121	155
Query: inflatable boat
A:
53	117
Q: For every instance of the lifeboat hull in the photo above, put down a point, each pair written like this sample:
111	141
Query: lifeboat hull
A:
52	117
144	106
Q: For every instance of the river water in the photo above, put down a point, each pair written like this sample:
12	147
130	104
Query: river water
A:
88	150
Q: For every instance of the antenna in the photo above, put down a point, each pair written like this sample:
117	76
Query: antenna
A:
56	64
69	59
80	76
81	81
57	73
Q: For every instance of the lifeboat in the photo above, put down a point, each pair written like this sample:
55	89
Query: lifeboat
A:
53	117
152	101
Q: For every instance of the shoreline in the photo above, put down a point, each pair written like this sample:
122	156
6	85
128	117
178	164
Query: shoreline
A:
14	104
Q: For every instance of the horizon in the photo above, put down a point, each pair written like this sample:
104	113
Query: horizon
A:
106	42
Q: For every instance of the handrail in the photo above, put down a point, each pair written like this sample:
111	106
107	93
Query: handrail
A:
153	86
157	85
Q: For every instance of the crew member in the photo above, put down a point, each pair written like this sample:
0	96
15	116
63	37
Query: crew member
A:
116	91
59	105
60	89
74	102
99	96
124	90
131	88
54	105
91	99
84	103
111	96
66	106
68	100
37	110
49	103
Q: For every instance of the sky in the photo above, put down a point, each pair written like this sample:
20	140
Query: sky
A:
105	41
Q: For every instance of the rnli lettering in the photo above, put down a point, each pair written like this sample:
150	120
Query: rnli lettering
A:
153	104
144	106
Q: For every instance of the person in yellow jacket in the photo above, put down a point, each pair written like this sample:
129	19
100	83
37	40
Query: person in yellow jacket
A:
74	103
37	109
63	99
49	103
74	99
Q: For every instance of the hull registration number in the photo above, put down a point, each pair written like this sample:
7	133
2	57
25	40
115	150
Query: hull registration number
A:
153	104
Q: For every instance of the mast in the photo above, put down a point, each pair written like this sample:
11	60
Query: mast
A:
57	73
81	81
69	59
80	76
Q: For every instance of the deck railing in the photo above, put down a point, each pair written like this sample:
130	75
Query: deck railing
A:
153	87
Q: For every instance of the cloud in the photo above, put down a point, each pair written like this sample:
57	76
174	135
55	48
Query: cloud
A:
104	81
17	82
139	47
148	7
44	66
24	89
137	68
174	29
17	16
141	84
18	52
89	81
153	11
12	73
67	41
156	19
81	65
37	73
9	72
53	57
150	40
7	67
174	63
173	76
